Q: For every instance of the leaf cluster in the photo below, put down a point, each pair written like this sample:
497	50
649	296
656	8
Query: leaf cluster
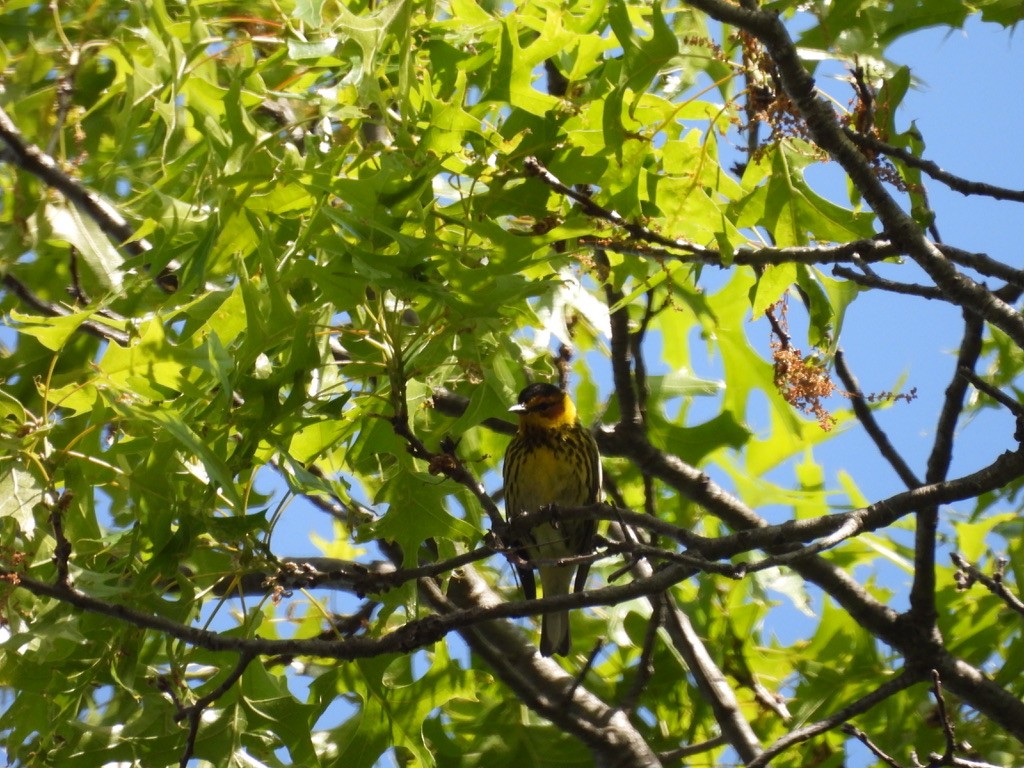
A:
281	266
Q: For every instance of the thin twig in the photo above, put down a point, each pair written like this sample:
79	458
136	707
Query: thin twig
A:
867	419
869	279
862	737
630	417
645	666
448	464
92	327
587	204
76	290
329	573
777	328
994	585
588	665
62	548
194	713
1015	407
65	91
31	158
680	753
947	725
956	183
899	683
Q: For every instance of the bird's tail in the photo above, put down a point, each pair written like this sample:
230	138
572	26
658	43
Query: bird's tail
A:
554	628
554	634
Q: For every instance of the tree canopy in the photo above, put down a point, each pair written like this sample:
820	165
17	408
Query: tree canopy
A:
276	263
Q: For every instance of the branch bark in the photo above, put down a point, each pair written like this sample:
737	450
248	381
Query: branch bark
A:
540	683
826	131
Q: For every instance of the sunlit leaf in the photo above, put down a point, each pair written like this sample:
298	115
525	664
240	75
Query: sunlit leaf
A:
68	223
20	493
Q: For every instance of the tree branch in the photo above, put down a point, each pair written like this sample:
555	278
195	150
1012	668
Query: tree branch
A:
448	464
824	128
540	683
867	419
32	159
194	713
49	309
876	618
859	735
922	592
956	183
868	279
994	585
710	679
890	688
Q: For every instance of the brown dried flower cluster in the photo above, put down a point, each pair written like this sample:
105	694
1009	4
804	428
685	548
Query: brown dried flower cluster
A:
766	100
803	381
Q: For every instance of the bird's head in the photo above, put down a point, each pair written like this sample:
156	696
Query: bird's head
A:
544	406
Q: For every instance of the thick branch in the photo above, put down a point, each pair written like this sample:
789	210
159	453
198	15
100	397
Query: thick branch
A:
922	592
876	618
706	673
827	132
541	683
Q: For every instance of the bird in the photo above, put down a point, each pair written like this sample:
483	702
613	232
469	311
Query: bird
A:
552	460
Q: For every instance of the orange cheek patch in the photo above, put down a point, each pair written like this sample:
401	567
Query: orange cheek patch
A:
553	411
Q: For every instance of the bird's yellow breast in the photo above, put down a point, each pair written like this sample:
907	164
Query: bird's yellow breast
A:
549	477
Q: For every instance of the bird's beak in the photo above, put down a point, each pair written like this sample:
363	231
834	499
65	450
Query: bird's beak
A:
517	408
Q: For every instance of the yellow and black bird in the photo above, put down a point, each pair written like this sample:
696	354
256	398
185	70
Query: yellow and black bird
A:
552	460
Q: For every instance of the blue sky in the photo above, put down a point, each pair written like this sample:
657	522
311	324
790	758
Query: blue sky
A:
968	108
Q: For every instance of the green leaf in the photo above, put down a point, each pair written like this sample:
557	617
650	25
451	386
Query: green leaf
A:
52	332
309	11
175	427
787	207
1005	12
974	538
313	49
270	705
11	410
417	512
771	285
69	224
694	444
20	492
